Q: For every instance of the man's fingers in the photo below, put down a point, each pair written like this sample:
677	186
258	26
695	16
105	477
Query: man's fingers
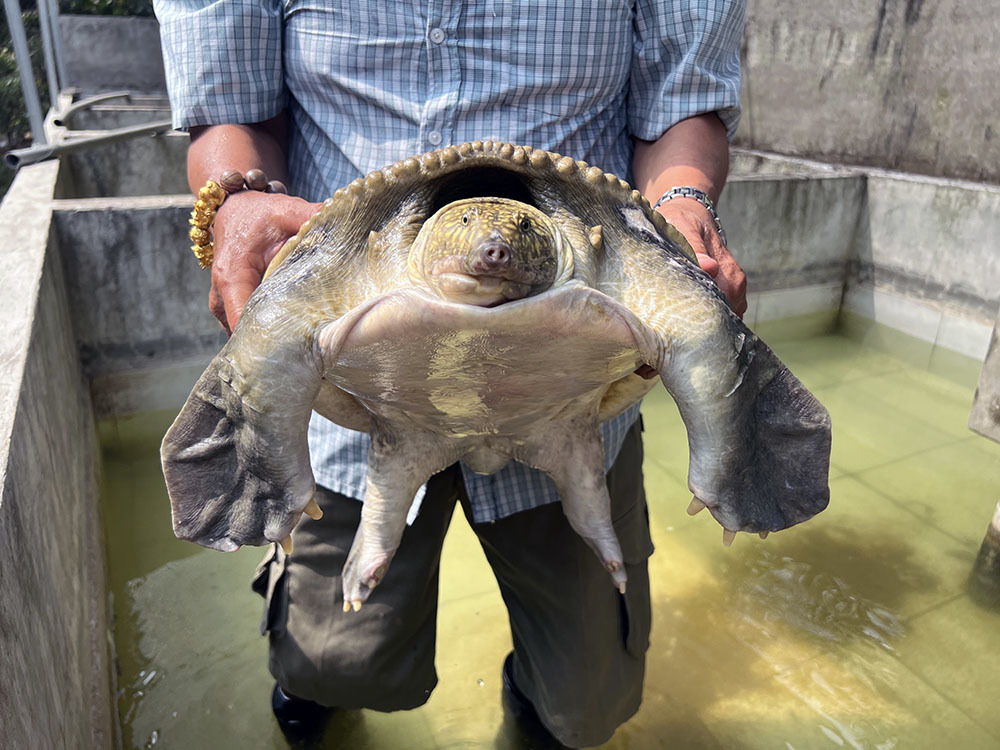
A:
218	308
235	290
708	264
732	281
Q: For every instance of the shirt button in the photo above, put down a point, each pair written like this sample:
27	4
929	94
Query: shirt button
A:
434	137
437	35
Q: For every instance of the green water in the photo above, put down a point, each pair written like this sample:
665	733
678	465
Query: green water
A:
852	630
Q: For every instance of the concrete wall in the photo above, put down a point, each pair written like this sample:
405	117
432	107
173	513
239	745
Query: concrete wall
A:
148	165
919	254
107	53
53	599
139	300
906	85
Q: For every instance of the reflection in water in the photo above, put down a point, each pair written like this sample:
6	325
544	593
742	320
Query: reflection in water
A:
782	605
780	589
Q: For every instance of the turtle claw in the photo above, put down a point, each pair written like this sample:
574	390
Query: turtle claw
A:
696	506
728	537
286	544
357	585
617	571
313	510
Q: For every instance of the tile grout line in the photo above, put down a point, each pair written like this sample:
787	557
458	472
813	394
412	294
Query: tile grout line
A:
934	689
902	507
931	608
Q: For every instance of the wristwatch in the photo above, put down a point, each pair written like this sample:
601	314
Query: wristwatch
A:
702	198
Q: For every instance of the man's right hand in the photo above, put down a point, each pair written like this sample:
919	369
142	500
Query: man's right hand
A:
249	230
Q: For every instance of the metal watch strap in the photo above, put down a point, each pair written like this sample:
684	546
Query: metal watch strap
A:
702	198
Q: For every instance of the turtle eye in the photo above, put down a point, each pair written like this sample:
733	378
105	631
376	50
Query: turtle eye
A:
525	224
465	218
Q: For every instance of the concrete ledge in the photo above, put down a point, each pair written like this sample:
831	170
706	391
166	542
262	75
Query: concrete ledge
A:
53	601
935	240
919	254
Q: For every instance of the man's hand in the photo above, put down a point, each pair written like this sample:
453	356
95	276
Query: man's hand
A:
694	221
249	229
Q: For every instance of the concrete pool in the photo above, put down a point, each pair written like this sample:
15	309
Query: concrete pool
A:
841	631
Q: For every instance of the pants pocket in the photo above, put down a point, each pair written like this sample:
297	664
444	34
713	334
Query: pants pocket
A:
269	581
636	611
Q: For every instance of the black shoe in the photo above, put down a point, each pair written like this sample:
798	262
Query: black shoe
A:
301	721
518	707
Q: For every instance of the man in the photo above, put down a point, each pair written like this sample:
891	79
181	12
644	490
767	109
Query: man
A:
318	94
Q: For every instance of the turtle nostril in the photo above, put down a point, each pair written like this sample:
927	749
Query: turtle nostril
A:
496	255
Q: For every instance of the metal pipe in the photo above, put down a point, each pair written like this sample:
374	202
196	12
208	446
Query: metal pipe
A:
62	118
24	156
28	88
45	24
57	42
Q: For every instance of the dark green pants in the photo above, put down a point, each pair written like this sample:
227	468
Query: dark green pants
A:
579	645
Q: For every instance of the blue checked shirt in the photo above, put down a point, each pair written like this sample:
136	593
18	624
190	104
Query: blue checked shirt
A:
368	83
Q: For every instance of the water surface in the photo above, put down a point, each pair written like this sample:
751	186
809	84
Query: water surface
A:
852	630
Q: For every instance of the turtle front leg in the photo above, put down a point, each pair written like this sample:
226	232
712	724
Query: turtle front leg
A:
570	452
398	463
236	459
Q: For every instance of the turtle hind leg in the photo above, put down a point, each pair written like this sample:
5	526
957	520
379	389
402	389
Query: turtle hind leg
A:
398	463
570	452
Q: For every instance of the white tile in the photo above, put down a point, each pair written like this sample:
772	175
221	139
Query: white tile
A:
914	318
964	335
859	299
785	303
123	393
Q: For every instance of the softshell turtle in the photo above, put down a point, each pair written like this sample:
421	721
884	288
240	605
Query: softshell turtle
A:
483	303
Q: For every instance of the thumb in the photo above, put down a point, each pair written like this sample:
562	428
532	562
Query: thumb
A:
295	215
289	223
708	264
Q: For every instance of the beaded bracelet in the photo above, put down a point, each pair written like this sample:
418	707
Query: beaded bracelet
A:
702	198
211	196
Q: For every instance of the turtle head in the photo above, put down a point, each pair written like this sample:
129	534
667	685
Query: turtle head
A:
487	251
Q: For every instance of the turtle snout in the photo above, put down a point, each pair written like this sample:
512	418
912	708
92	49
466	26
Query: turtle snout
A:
494	257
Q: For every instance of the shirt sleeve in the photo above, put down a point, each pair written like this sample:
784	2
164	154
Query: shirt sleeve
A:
222	59
685	62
